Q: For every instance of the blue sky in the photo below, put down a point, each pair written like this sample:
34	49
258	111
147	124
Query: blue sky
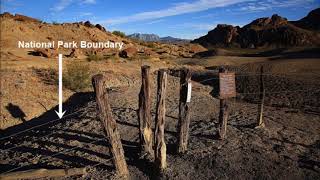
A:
179	18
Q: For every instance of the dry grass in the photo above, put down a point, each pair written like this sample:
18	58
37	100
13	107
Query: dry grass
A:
77	76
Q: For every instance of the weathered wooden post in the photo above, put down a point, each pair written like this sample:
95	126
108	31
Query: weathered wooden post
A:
184	110
227	90
160	146
223	118
260	122
144	114
110	125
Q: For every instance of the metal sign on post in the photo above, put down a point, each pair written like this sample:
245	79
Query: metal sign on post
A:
227	84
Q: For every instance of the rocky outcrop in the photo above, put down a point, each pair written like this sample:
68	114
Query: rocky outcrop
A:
195	48
222	35
88	24
19	17
100	27
263	23
149	52
311	21
75	53
128	52
48	53
263	32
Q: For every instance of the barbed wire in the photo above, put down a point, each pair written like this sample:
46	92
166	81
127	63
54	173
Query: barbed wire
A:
67	150
52	156
279	92
23	144
37	126
8	149
239	76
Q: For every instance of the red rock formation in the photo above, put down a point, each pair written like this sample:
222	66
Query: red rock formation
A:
128	52
274	31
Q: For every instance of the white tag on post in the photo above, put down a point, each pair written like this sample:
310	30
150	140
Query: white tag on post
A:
189	92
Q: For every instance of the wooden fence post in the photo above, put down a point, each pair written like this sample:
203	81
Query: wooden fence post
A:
160	146
110	125
223	115
260	122
144	114
184	110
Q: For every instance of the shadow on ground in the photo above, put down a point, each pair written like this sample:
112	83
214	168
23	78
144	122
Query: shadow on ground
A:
283	54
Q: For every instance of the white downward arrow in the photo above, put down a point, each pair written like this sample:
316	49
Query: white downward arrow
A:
60	113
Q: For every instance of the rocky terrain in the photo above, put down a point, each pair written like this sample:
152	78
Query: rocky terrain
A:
22	28
266	32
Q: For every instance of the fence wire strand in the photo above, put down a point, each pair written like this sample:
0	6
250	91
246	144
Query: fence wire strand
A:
37	126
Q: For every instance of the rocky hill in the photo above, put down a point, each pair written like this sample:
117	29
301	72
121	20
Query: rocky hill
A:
311	21
18	27
265	32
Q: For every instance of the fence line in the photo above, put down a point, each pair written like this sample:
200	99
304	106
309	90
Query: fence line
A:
277	92
232	102
55	120
217	78
67	150
8	149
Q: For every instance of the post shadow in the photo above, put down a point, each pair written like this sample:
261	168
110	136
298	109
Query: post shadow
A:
16	112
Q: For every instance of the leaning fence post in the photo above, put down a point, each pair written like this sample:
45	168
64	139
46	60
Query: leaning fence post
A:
223	115
110	125
260	122
160	146
184	110
144	114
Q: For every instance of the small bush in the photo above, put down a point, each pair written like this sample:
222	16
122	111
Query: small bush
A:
151	45
48	76
55	23
77	76
94	57
119	33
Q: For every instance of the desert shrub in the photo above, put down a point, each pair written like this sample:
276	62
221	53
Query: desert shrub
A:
119	33
48	76
94	57
151	45
111	58
55	23
77	76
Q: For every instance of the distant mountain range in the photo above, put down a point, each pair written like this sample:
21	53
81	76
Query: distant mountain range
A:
144	37
156	38
170	39
276	31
